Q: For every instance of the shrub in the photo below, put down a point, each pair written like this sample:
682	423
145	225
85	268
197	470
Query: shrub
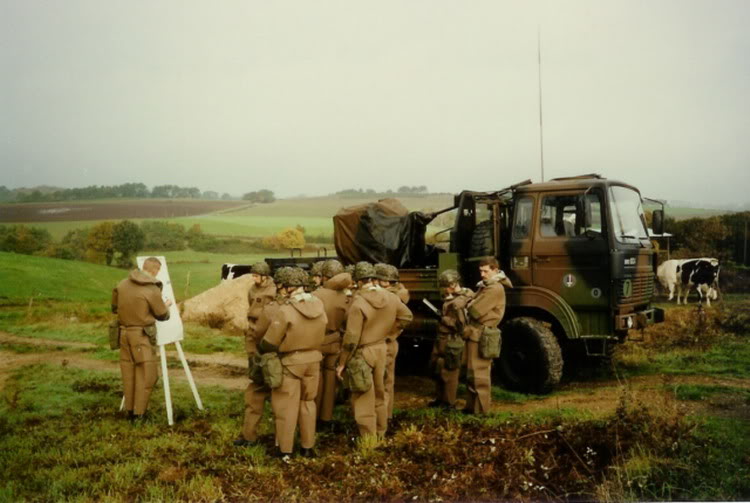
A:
163	236
25	240
284	240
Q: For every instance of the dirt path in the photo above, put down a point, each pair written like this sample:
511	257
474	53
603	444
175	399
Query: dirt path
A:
229	371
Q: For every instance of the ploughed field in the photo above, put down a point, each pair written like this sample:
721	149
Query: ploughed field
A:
111	210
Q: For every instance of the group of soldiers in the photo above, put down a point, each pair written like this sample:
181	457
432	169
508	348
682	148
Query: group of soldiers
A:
308	334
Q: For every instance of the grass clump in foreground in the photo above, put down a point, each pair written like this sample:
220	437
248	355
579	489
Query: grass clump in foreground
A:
61	439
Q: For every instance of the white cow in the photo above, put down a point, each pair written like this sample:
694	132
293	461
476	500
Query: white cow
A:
680	275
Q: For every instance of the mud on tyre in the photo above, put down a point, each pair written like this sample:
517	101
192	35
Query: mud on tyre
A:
530	358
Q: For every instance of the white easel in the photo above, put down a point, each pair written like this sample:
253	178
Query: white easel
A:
170	332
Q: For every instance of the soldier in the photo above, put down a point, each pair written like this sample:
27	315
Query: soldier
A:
387	276
257	393
372	315
485	311
316	275
138	304
447	353
333	294
296	333
262	291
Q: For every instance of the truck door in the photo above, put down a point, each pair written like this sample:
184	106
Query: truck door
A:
570	253
521	241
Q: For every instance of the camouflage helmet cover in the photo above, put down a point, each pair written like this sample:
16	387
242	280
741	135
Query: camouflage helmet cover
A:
281	275
448	278
297	277
382	272
261	268
364	270
317	268
349	269
392	273
331	268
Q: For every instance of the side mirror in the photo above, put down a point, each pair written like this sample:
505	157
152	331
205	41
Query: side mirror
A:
584	212
657	221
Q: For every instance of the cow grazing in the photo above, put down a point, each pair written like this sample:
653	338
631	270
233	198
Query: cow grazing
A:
231	271
682	275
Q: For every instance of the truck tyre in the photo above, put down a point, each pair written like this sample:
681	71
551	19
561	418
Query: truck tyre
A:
530	358
482	240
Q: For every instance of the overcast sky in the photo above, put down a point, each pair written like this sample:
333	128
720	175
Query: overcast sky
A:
317	96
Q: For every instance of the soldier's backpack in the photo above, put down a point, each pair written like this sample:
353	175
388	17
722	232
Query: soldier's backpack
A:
254	369
489	343
358	374
114	334
273	372
453	353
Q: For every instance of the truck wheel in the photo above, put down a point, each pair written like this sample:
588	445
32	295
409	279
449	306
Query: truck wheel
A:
482	240
530	357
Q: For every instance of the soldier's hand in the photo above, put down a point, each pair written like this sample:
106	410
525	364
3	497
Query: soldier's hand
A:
340	372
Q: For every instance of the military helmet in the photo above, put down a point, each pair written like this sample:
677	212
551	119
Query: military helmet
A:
281	275
350	269
297	277
382	272
392	273
331	268
261	268
363	271
317	268
448	278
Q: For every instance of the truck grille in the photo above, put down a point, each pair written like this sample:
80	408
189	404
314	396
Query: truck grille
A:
641	289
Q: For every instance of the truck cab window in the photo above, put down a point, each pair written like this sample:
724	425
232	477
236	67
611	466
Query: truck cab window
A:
522	218
562	216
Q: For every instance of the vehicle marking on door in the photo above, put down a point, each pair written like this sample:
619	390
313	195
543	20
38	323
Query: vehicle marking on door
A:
596	292
569	280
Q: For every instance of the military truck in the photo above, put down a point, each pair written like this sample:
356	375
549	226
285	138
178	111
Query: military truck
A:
578	252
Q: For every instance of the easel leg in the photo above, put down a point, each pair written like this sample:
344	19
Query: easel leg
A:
189	375
165	377
122	404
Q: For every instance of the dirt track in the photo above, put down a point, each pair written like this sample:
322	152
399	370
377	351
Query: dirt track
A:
228	371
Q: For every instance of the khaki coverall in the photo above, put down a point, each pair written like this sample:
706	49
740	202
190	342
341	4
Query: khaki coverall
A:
452	323
485	310
138	304
373	314
257	298
336	302
297	332
391	342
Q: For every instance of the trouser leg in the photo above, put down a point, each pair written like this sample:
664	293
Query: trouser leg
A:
285	405
255	399
448	385
326	396
307	411
478	377
127	369
381	393
390	375
363	408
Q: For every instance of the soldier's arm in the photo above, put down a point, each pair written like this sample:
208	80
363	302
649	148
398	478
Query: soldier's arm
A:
115	296
482	304
403	316
273	337
354	324
403	294
158	308
262	326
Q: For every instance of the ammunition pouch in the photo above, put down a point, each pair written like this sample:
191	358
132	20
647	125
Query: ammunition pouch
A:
273	371
489	343
453	353
254	369
150	331
114	334
358	374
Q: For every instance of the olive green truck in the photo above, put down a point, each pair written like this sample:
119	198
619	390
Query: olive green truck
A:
578	253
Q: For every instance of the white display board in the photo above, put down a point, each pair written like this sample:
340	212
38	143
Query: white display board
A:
170	331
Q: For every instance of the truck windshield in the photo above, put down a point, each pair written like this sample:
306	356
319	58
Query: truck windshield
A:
628	221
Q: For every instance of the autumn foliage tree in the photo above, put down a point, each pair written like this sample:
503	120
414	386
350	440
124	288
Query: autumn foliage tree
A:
285	240
127	240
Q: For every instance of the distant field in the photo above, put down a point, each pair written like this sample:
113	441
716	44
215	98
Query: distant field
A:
328	206
111	210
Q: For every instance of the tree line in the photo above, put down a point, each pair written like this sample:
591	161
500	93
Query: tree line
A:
123	191
403	191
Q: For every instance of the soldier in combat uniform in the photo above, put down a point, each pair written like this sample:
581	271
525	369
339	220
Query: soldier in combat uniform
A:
373	314
257	393
296	333
262	291
387	276
486	310
333	293
316	275
450	329
138	304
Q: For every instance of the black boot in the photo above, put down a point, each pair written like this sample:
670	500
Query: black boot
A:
308	453
241	442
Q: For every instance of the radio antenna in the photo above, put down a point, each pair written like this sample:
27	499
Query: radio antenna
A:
541	124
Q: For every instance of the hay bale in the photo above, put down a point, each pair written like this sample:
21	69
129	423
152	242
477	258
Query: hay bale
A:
223	306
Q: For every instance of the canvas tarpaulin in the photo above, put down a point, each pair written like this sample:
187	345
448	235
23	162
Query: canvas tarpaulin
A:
384	231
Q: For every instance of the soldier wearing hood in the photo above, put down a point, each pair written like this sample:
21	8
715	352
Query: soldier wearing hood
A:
296	333
484	312
138	304
262	291
333	294
372	316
